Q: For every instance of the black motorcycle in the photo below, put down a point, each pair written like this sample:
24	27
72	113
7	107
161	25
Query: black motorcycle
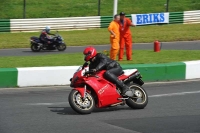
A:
37	44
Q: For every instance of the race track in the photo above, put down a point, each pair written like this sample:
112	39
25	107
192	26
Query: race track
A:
186	45
172	108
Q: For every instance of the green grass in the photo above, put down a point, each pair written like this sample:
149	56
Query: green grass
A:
141	34
67	8
139	57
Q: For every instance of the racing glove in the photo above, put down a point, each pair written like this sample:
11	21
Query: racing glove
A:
93	70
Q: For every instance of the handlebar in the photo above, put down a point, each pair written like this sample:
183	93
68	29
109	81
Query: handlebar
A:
89	72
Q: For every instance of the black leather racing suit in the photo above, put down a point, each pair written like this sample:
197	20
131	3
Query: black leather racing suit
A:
44	37
102	62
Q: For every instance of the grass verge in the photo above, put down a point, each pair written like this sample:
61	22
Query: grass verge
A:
141	34
139	57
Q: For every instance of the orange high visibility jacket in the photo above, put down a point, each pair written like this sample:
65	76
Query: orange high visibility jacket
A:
125	27
114	26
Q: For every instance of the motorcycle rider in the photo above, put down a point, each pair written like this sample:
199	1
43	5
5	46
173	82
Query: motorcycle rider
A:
44	36
99	61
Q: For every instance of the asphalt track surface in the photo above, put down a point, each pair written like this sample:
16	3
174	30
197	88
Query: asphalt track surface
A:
172	108
185	45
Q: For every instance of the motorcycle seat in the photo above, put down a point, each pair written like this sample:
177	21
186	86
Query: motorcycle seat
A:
36	39
127	73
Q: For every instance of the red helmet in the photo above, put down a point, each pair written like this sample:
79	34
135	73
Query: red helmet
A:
89	53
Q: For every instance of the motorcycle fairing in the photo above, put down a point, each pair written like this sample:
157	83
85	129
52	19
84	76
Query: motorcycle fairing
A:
105	91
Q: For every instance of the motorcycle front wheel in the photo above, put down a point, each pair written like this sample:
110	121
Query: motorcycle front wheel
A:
35	47
62	47
80	105
140	98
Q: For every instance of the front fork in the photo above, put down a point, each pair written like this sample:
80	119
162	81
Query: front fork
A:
82	91
84	95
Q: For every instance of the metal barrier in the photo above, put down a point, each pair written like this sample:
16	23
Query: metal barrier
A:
4	25
72	23
192	17
19	25
176	17
105	20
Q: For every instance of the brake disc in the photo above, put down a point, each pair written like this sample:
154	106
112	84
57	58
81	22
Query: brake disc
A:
83	103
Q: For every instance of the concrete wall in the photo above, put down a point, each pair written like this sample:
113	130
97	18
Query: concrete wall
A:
40	76
192	69
46	76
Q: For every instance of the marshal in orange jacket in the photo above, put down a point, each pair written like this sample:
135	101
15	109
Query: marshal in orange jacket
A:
114	40
125	38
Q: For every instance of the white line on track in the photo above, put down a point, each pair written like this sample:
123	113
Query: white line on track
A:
152	96
175	94
173	82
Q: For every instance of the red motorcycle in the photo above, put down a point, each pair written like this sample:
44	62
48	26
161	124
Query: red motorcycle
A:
91	89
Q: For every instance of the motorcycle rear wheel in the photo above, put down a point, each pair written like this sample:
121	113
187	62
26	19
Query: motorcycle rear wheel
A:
79	105
35	48
62	47
139	95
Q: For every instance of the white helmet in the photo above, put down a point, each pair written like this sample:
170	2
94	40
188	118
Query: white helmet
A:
48	28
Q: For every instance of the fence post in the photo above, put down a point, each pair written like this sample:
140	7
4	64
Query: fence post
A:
24	9
99	3
167	7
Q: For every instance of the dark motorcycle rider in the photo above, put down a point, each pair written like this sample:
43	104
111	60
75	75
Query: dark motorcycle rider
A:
44	36
99	61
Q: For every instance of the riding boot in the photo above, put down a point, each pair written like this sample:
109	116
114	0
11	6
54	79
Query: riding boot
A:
124	88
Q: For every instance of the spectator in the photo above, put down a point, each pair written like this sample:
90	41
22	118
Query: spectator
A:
125	37
114	37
